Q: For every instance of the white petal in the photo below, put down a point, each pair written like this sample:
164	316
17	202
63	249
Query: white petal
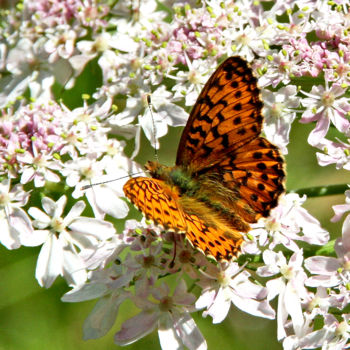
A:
322	265
168	338
27	175
73	268
188	332
293	306
136	327
177	114
49	206
20	223
49	264
85	292
98	228
109	202
220	308
35	238
8	237
59	206
281	316
76	210
42	220
274	287
254	307
51	176
102	318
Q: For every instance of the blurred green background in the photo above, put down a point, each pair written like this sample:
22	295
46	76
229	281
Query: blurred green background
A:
34	318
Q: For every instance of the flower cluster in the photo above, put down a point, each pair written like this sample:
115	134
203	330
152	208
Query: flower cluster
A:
59	134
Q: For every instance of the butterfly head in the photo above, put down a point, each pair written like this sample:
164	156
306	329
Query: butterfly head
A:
157	170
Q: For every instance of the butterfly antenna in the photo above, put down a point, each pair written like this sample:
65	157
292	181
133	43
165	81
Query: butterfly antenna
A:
83	188
154	131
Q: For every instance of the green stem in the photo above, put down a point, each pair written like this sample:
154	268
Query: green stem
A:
319	191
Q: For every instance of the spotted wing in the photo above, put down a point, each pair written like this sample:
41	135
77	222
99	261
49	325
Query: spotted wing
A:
156	201
256	172
212	241
226	116
159	203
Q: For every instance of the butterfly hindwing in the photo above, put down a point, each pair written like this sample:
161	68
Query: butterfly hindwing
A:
211	241
257	172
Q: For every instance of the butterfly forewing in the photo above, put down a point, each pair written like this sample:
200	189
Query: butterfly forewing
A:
156	201
226	116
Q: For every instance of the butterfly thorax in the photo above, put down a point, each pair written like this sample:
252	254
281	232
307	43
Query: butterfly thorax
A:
176	176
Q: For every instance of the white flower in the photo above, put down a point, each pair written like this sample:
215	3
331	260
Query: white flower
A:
169	313
39	168
289	288
279	111
14	222
227	284
107	285
63	238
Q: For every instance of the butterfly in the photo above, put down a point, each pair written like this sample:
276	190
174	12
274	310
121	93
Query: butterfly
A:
226	175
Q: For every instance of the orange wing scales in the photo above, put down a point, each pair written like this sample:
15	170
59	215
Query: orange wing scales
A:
156	201
257	170
226	115
211	241
152	197
226	175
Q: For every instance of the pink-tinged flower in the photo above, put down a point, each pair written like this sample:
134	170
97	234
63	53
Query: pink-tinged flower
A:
333	336
169	312
193	36
289	288
14	222
30	140
325	105
279	69
340	209
53	13
247	41
329	271
148	263
334	153
310	56
50	14
228	284
108	285
279	111
165	112
190	83
27	63
61	42
63	238
338	64
287	223
38	167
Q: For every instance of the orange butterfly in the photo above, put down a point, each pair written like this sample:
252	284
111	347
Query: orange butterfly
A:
226	176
